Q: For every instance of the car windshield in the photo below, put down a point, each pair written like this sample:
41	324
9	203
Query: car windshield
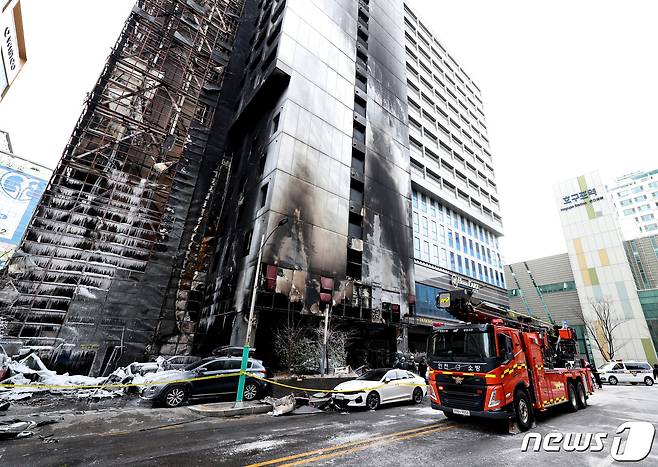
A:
373	375
194	365
607	367
462	345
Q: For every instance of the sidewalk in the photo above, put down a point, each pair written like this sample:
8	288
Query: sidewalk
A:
227	409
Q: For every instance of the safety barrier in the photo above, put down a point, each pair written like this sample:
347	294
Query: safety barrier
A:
188	380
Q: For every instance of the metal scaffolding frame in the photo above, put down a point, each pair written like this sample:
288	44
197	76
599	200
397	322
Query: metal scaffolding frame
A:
108	205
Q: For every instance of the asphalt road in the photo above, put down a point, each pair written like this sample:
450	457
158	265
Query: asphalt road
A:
396	435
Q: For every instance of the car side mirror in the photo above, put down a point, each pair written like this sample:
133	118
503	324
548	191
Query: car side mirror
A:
201	370
387	380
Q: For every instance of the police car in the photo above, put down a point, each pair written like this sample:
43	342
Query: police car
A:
627	371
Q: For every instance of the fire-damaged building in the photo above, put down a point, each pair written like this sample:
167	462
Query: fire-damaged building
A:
98	273
356	126
320	138
337	141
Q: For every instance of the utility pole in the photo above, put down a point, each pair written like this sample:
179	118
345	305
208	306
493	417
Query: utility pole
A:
325	360
247	339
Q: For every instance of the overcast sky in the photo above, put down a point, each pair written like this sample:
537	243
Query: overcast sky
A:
568	86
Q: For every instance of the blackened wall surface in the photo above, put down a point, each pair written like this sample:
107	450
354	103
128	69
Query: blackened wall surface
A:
294	159
388	236
98	256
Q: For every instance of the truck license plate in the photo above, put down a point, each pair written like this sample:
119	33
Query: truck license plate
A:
461	412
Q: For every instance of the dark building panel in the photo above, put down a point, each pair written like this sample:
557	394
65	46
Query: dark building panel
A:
100	259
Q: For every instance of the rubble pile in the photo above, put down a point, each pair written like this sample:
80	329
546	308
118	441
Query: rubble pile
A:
31	376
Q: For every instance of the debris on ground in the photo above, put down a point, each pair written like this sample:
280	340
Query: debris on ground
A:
291	405
282	405
14	429
32	377
48	439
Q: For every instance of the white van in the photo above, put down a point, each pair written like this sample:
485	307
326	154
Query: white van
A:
628	371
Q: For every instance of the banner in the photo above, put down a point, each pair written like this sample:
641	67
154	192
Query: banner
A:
19	196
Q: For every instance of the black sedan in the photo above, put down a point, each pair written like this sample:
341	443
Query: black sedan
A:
172	388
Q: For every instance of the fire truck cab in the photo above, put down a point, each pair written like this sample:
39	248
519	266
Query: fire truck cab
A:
500	364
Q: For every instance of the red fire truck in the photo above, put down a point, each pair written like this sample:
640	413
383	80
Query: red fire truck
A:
499	364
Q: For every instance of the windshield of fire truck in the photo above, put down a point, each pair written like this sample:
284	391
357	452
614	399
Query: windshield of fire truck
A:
462	345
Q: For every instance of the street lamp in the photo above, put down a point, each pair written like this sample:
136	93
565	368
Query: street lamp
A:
245	349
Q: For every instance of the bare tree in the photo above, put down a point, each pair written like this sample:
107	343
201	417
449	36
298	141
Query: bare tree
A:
293	346
337	342
602	327
299	348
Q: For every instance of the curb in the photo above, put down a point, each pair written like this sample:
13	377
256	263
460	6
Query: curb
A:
212	410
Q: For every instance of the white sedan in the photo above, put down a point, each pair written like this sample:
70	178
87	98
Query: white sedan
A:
381	386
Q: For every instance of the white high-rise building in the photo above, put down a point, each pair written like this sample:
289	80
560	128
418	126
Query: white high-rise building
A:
635	197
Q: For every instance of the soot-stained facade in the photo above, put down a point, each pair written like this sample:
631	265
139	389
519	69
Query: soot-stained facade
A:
320	138
99	279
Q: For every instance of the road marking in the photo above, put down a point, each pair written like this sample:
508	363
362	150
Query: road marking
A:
366	446
355	446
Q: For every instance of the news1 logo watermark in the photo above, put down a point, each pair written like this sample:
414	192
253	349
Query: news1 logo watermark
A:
633	443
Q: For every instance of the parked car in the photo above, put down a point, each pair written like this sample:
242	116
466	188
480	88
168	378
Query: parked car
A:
171	388
179	362
629	371
381	386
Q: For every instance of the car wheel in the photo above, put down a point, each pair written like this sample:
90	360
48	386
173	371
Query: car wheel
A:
612	380
573	399
175	396
250	391
648	381
523	410
417	396
373	401
582	396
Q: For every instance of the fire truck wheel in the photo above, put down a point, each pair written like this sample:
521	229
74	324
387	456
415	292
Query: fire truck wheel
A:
582	396
372	401
573	399
612	380
523	410
648	381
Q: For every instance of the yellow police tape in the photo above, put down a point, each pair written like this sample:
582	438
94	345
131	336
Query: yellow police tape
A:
200	378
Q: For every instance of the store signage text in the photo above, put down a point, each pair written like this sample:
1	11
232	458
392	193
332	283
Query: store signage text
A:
459	281
580	199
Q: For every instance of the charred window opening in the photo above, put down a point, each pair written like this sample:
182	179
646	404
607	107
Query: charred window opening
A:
360	106
361	81
275	122
361	58
355	228
354	263
263	194
358	162
364	17
261	163
359	133
356	191
246	246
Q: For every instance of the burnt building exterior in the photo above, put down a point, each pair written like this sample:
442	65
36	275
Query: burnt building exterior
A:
321	137
215	120
100	275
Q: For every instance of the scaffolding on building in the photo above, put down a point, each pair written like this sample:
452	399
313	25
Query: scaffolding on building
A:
110	204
